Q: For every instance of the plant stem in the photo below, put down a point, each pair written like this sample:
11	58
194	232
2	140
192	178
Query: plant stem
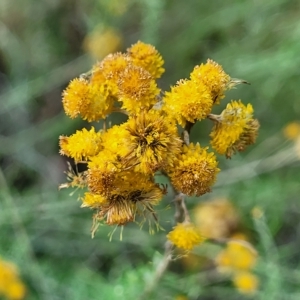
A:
181	215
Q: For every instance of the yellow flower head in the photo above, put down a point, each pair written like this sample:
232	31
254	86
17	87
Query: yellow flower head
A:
246	282
185	236
216	219
100	101
194	171
147	57
11	286
234	129
110	67
81	145
74	95
139	188
238	255
152	142
213	77
137	89
188	101
93	101
104	176
102	172
114	138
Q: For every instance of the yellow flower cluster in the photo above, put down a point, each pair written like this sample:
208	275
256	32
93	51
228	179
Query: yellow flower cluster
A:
122	160
11	286
239	258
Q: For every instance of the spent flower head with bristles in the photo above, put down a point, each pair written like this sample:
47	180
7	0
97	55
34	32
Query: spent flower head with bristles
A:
131	194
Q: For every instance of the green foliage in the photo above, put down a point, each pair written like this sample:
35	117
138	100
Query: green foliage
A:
46	233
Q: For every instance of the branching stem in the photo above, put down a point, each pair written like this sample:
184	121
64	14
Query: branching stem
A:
181	215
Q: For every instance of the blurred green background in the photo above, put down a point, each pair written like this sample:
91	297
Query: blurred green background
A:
44	44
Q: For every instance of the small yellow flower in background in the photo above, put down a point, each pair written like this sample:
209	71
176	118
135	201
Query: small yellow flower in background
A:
194	171
11	285
246	282
216	219
188	101
213	77
147	57
234	129
185	236
102	41
81	145
238	255
292	130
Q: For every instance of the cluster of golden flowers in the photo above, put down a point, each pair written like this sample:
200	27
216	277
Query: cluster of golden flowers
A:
11	286
122	160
